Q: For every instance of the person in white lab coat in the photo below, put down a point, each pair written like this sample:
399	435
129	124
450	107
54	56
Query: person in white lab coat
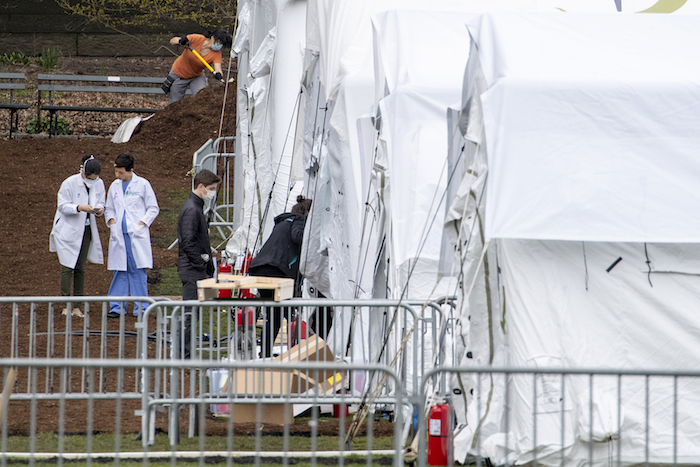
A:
130	210
74	234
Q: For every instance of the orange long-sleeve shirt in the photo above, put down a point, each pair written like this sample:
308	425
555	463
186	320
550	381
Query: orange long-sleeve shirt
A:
187	65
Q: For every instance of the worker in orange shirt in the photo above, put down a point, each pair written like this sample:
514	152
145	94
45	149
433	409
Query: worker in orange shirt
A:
188	69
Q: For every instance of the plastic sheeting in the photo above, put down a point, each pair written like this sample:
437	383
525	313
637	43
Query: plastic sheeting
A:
603	120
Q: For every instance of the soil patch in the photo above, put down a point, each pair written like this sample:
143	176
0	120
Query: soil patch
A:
33	169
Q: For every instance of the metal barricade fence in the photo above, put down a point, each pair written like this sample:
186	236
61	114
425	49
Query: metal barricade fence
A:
223	331
559	417
90	426
228	330
35	327
37	330
438	328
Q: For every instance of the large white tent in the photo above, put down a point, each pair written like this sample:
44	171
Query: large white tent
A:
364	93
590	120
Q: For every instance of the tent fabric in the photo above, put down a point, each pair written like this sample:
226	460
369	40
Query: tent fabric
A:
604	124
564	310
341	33
413	119
562	303
269	45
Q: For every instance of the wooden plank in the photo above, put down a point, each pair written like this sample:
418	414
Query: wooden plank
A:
68	108
209	288
206	282
257	282
14	106
284	292
12	86
204	294
100	78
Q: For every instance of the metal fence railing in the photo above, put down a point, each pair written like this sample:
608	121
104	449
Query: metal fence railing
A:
228	330
257	423
560	417
35	327
86	388
406	336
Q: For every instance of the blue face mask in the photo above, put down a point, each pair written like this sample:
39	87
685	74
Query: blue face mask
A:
216	46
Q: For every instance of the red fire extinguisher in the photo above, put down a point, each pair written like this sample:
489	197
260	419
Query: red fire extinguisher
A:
440	435
225	268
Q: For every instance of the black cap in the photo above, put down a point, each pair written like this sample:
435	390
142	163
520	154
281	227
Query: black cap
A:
91	166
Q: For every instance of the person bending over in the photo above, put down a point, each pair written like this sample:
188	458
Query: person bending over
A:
279	257
188	69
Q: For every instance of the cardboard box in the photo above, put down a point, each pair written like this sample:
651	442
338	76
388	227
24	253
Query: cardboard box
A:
312	349
259	384
256	382
279	382
266	383
329	381
270	414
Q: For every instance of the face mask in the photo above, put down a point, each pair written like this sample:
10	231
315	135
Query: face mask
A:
216	46
209	195
89	183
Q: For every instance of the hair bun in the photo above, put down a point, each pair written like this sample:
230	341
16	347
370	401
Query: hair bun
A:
300	198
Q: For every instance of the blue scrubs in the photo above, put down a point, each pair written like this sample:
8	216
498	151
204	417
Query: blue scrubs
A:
132	282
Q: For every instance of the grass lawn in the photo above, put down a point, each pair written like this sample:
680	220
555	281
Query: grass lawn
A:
105	443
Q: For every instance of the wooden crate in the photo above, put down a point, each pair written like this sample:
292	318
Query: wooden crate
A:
208	289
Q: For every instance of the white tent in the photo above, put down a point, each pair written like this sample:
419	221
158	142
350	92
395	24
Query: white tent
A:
269	44
591	133
372	133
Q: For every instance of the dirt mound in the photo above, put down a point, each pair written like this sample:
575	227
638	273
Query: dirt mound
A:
95	123
193	118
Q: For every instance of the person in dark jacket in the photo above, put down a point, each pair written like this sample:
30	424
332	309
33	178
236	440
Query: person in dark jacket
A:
194	261
279	257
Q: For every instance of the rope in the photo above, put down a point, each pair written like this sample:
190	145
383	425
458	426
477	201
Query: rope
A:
412	450
323	130
364	407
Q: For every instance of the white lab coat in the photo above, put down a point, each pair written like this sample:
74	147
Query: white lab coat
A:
69	225
139	205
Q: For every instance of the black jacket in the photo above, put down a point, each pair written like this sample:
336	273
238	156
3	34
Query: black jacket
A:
283	247
193	237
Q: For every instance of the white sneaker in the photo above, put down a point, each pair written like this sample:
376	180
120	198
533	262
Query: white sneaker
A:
75	312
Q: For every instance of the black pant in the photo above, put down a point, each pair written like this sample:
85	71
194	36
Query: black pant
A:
189	280
273	315
77	274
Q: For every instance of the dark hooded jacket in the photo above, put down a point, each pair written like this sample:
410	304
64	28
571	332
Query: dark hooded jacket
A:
193	237
283	247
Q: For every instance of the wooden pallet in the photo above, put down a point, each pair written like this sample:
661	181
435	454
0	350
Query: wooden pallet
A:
208	289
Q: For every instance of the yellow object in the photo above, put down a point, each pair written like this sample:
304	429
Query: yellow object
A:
203	61
336	378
